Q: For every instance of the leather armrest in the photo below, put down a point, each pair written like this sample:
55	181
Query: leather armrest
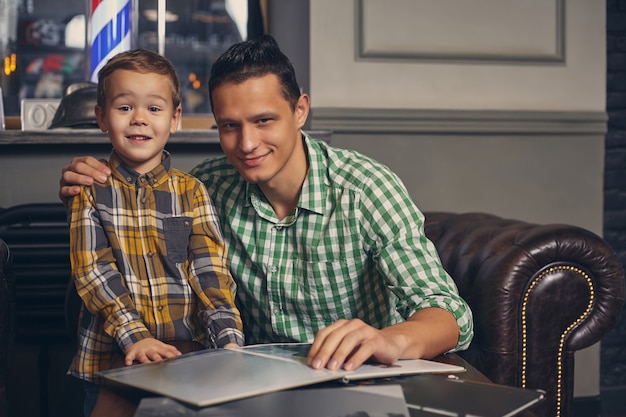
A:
538	293
7	306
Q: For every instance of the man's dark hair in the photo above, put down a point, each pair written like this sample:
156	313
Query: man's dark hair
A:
255	58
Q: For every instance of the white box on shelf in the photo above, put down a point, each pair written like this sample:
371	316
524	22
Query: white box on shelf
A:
37	113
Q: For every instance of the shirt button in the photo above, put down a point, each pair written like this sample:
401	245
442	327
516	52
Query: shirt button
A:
150	254
278	227
273	269
160	308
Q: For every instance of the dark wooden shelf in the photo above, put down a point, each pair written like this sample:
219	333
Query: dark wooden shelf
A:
93	137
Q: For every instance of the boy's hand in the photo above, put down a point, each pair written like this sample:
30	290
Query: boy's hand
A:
149	350
83	170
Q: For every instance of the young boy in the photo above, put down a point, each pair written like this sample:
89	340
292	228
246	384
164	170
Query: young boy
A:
147	253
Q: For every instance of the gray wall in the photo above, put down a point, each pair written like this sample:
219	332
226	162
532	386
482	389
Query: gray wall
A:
496	107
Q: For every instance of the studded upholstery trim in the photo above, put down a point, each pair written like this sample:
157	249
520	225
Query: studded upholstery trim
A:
545	273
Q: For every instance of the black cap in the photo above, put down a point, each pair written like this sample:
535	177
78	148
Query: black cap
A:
76	109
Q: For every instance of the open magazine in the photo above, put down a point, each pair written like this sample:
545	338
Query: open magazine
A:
215	376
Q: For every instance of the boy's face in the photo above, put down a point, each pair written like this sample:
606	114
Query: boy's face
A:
259	132
139	116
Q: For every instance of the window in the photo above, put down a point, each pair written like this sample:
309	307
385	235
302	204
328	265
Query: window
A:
45	50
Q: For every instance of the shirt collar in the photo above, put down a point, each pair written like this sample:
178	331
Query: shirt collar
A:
315	186
129	176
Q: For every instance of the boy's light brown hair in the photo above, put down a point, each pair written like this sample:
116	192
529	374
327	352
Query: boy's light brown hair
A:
142	61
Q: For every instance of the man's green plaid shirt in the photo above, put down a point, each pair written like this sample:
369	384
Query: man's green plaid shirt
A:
353	248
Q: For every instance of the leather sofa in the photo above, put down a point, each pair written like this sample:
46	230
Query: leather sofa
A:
6	321
539	293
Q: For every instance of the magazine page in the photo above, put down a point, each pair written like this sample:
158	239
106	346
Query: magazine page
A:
297	352
214	376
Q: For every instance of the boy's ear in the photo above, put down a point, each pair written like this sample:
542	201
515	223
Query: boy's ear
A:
100	118
176	119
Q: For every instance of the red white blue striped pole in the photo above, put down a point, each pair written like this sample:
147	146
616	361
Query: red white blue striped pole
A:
110	32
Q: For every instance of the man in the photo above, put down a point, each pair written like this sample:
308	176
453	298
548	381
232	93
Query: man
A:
326	245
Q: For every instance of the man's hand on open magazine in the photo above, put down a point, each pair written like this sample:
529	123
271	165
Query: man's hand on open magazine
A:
349	343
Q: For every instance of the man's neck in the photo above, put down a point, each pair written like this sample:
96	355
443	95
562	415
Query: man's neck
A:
283	192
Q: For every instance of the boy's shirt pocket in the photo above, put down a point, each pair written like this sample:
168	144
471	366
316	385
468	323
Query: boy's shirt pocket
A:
177	231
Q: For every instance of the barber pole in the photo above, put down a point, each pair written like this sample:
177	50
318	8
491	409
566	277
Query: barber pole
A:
109	32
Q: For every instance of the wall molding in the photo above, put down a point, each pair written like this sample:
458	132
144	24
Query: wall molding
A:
459	122
373	40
